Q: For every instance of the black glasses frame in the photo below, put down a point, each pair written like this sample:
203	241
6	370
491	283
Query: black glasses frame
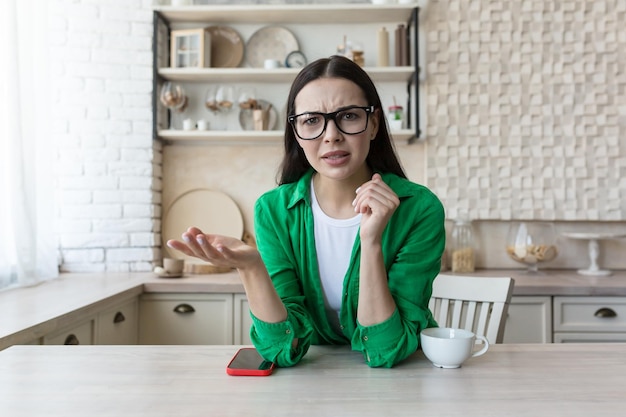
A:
332	115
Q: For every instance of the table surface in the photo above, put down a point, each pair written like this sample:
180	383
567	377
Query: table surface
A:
509	380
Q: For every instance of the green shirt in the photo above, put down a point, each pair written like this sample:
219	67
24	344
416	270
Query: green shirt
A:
412	243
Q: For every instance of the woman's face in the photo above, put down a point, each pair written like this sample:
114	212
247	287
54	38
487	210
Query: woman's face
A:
336	155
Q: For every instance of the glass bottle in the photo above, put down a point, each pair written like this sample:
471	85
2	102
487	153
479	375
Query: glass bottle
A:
462	246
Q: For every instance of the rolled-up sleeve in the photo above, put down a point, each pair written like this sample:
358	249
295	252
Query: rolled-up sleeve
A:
275	341
412	265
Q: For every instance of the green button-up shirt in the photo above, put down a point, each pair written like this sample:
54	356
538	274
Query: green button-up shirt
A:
412	245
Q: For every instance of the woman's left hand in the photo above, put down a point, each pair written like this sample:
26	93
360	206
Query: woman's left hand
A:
377	202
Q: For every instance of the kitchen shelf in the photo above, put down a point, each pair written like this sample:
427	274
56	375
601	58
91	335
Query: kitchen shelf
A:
337	15
291	13
270	75
246	137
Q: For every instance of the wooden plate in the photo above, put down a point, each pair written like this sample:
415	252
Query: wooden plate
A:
226	47
213	212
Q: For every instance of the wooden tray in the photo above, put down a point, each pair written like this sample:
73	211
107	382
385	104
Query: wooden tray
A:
213	212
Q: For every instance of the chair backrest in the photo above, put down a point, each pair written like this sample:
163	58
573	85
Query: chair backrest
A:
478	304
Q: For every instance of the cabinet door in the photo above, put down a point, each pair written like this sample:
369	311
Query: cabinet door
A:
529	320
81	334
33	342
590	314
119	325
243	321
186	319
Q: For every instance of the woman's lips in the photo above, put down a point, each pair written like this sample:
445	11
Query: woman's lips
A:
336	157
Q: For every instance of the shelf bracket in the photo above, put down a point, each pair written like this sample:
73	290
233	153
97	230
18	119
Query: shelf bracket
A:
413	82
159	23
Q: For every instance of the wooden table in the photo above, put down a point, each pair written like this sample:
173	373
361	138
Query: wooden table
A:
510	380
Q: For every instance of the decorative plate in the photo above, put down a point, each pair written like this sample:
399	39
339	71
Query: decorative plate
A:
269	42
226	47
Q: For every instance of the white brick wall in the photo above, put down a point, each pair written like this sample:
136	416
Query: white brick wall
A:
109	203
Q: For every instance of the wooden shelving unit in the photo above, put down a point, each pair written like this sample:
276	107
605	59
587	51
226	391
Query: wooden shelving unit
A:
326	14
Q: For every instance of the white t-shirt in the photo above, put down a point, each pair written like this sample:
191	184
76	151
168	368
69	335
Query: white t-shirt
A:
334	240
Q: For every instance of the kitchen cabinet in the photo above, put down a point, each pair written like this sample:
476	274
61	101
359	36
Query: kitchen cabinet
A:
118	325
589	319
78	334
529	320
198	318
186	319
319	28
562	319
37	341
243	321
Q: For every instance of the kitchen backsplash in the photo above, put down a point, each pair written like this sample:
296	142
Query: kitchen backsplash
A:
526	108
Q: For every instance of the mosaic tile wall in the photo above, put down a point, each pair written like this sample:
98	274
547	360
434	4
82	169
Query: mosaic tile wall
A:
526	108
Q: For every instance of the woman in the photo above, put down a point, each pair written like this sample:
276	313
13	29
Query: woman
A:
347	246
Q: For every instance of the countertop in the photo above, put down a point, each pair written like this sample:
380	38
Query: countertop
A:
28	313
509	380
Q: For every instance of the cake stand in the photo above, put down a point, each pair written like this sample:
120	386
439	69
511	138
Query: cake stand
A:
594	251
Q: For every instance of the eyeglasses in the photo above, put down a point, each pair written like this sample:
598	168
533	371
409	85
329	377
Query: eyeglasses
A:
349	120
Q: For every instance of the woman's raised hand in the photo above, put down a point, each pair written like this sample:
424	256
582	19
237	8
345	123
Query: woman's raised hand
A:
377	202
216	249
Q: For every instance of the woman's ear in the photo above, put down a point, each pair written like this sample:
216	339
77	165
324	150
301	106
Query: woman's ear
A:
376	121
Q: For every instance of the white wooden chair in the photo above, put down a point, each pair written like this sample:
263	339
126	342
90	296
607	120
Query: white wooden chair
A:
478	304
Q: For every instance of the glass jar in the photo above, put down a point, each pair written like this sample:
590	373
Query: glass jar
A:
462	246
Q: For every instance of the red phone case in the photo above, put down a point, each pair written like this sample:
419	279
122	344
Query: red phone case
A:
248	362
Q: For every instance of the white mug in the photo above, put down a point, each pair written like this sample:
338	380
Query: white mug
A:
202	124
446	347
271	64
188	124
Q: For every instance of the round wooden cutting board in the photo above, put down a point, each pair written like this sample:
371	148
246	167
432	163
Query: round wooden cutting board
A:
211	211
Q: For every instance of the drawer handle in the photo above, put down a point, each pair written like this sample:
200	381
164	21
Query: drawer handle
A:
605	312
119	317
71	340
184	309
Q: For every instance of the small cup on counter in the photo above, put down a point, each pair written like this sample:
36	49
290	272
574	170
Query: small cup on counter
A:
173	266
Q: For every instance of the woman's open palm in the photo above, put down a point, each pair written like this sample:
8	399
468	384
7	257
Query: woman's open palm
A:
216	249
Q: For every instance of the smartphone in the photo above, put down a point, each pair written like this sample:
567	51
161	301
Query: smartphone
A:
248	362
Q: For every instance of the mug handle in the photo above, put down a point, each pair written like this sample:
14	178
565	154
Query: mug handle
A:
484	348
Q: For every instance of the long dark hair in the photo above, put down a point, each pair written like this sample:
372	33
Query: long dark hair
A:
381	157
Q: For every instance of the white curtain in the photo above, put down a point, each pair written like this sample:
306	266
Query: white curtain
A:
28	247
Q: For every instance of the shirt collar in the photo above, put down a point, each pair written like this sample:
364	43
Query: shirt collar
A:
302	190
